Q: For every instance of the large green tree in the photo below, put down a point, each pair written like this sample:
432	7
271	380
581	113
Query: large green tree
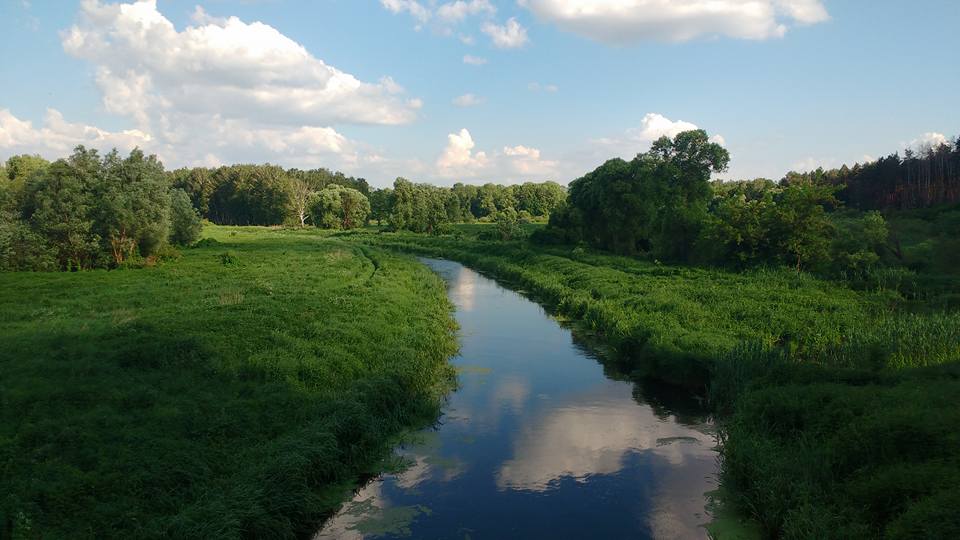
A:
338	207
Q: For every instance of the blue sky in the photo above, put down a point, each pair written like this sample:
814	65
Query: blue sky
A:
381	88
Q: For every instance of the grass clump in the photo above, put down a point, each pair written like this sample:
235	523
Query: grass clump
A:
200	400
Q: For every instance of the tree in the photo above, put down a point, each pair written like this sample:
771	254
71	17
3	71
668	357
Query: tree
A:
801	229
301	194
680	171
656	202
185	223
380	201
132	206
57	207
338	207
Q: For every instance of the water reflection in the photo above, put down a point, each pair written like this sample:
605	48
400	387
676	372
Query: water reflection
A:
593	434
538	443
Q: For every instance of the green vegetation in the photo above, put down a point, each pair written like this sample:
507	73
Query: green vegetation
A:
238	391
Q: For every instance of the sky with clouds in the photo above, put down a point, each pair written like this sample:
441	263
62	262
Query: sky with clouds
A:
477	90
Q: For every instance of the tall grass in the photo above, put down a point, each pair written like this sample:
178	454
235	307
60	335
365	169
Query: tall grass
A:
214	396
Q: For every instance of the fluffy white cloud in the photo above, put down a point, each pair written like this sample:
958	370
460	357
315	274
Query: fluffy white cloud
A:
629	21
653	126
526	162
57	137
460	161
146	68
474	60
507	36
468	100
927	141
220	91
458	158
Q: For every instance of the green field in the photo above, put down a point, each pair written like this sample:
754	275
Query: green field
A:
238	391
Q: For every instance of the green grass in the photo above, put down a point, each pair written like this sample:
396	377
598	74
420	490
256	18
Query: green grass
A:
236	392
838	406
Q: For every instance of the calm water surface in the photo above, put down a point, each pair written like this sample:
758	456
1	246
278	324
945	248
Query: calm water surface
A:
538	442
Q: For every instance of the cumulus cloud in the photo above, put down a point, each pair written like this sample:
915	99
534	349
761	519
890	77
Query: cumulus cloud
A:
474	60
468	100
147	67
622	22
510	35
927	141
459	160
220	91
57	137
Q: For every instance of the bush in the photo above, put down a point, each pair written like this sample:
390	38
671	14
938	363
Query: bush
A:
185	223
23	249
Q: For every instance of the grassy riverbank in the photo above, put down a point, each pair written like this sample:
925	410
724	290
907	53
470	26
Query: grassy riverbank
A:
839	404
231	393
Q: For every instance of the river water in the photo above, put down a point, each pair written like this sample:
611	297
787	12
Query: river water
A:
539	442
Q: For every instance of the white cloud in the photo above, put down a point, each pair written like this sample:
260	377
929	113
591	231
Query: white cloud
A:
653	126
412	7
442	18
221	91
629	21
455	12
468	100
507	36
804	11
926	142
145	67
474	60
460	161
57	137
458	158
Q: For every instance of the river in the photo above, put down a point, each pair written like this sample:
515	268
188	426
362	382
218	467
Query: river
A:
539	441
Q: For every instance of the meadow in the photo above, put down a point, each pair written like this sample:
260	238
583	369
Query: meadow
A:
240	390
837	404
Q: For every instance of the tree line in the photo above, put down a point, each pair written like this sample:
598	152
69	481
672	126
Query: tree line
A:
664	204
271	195
922	178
